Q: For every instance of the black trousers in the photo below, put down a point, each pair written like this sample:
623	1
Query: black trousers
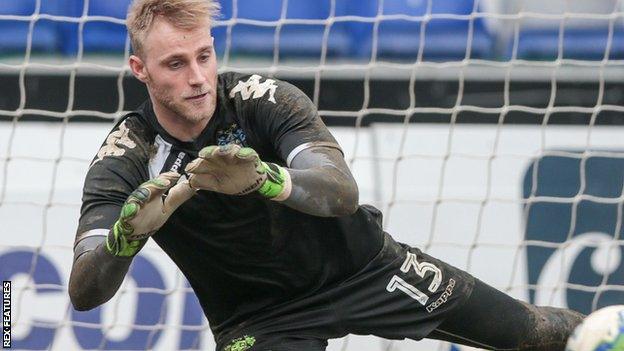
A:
404	293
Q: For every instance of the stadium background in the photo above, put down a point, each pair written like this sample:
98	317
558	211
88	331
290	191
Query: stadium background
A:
488	132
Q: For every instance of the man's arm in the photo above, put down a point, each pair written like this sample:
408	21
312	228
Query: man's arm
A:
319	183
101	261
322	184
96	273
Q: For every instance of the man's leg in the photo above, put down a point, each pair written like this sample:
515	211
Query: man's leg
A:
491	319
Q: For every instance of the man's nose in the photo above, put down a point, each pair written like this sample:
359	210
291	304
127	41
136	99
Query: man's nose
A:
196	76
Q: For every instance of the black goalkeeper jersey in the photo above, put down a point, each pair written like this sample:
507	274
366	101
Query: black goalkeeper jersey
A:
241	254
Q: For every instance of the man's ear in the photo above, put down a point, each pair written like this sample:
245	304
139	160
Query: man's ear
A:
138	68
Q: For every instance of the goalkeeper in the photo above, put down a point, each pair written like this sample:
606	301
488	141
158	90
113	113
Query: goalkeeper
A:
265	223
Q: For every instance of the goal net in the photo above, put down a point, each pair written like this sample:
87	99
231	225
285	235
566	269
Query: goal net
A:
489	134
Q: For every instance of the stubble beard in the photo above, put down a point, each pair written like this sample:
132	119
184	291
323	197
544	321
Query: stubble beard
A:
182	111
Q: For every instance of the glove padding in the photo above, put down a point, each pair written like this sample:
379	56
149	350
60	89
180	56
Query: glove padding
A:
145	211
230	169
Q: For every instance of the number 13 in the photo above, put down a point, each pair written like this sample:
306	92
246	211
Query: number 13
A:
421	268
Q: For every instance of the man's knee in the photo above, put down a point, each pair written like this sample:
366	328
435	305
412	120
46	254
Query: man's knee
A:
549	327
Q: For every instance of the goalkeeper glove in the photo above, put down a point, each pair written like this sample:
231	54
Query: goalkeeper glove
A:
145	211
232	170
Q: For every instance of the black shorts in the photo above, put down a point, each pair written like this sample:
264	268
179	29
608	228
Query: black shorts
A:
402	293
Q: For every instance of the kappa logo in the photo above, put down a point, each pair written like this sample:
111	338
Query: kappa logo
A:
178	162
443	298
241	344
252	88
113	144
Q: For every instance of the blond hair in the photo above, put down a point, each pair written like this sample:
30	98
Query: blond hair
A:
184	14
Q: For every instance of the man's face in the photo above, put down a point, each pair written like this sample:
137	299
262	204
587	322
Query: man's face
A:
180	69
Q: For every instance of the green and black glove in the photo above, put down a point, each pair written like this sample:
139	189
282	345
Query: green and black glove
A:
145	211
232	170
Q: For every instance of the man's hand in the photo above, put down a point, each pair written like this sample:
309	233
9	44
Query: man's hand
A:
232	170
145	211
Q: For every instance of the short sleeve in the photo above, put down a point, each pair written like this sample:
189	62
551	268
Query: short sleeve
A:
284	114
119	167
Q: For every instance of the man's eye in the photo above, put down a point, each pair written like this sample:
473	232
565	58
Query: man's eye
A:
204	58
175	64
